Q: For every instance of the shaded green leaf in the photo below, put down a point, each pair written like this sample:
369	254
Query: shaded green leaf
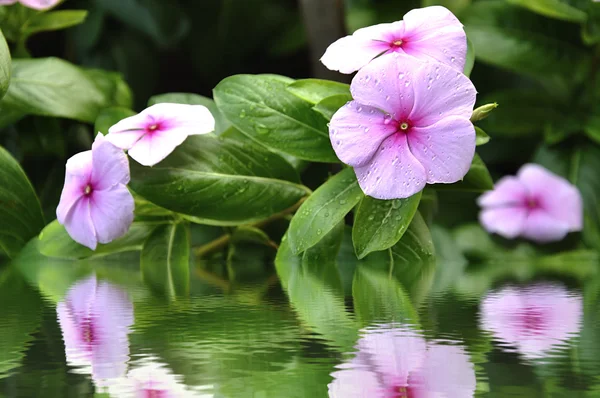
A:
330	105
21	216
316	90
470	60
323	210
379	224
553	9
481	136
109	117
53	20
220	182
5	66
262	108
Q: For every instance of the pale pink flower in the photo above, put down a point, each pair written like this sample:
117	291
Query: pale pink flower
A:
35	4
397	362
95	319
408	126
95	205
532	320
430	34
536	204
153	134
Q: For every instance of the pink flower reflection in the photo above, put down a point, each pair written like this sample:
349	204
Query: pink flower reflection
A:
95	318
397	362
533	319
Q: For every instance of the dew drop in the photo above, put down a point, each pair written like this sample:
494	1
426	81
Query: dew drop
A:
401	75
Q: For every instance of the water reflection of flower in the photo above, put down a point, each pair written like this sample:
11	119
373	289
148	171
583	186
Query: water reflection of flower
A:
95	318
533	319
394	362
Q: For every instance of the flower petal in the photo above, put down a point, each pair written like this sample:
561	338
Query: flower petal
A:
556	196
439	92
78	223
129	130
354	383
350	53
446	372
543	227
111	165
182	118
434	33
77	176
111	212
387	83
7	2
508	191
357	131
445	149
156	146
393	172
505	221
39	4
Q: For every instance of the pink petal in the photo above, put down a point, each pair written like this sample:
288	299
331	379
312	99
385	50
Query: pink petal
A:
434	33
73	189
542	227
78	223
393	172
129	130
355	383
387	83
156	146
39	4
182	118
111	212
555	195
507	191
7	2
508	222
357	131
80	296
111	165
350	53
439	92
445	149
446	372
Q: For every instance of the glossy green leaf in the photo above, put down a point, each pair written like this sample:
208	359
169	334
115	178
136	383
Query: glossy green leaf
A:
481	136
591	28
112	85
510	37
379	224
5	66
109	117
470	60
323	210
220	182
262	108
330	105
316	90
553	9
478	179
415	249
221	123
21	217
56	242
165	260
53	87
53	20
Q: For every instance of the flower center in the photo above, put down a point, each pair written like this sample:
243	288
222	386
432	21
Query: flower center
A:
397	43
404	126
532	203
153	127
88	190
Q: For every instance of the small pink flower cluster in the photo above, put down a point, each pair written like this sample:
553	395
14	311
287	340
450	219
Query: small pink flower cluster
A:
95	204
408	124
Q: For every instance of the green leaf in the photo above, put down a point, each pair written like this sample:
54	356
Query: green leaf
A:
330	105
221	123
470	60
483	111
247	233
323	210
553	9
478	179
591	29
510	37
481	136
109	117
316	90
5	66
53	87
53	20
262	108
21	216
379	224
220	182
165	260
592	127
415	250
56	242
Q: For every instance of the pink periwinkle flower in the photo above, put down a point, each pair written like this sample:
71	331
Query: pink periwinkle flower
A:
532	320
408	126
95	205
536	204
394	362
430	34
35	4
95	318
153	134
